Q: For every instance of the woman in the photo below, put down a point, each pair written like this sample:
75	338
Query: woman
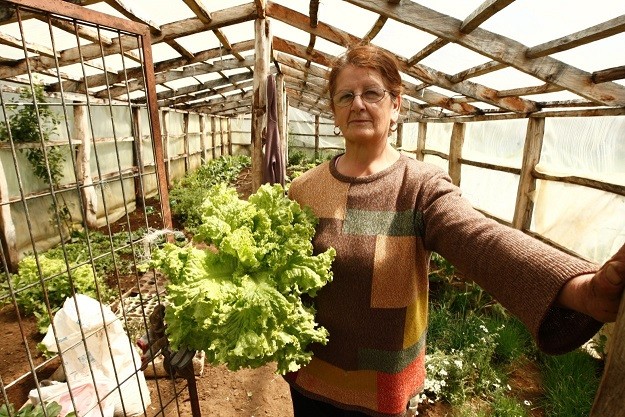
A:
385	213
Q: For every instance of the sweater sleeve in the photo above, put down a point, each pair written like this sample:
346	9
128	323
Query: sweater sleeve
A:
522	273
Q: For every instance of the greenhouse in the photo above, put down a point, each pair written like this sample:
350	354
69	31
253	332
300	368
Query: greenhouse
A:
140	139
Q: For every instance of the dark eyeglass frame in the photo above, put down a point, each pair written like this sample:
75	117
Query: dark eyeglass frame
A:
339	99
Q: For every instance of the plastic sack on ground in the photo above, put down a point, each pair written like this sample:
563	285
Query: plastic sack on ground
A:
84	394
109	355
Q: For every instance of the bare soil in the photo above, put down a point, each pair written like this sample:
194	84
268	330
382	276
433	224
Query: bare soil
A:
220	392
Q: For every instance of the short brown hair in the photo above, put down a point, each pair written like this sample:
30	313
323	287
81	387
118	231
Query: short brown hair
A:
366	55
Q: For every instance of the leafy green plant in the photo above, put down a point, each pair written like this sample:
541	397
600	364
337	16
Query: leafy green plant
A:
52	409
36	123
187	195
29	283
240	298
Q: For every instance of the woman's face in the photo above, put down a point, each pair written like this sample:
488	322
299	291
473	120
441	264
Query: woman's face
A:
362	121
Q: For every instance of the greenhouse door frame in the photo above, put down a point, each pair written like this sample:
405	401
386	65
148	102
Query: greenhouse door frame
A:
142	32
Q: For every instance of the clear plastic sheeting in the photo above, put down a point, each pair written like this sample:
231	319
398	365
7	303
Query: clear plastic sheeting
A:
589	147
302	131
590	222
498	142
493	192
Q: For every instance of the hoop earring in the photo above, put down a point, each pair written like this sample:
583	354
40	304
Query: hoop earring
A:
337	131
393	125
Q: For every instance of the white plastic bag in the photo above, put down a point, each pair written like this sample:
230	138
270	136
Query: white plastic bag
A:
110	358
84	394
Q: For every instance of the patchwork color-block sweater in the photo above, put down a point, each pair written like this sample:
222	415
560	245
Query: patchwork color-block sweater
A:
384	227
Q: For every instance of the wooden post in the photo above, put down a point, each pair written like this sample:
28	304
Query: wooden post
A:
455	152
203	146
83	167
137	156
282	122
7	227
609	398
222	140
166	156
423	127
262	46
213	137
527	183
400	136
185	138
317	131
229	127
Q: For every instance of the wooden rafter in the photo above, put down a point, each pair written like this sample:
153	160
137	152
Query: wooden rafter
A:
594	33
501	48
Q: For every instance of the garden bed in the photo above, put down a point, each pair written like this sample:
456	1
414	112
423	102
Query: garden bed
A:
223	393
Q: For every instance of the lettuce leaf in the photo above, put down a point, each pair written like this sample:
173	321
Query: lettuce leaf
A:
239	298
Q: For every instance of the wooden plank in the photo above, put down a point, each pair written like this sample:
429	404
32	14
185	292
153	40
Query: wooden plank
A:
483	13
527	182
455	152
609	398
610	74
163	77
421	72
594	33
476	71
7	226
83	160
468	88
221	18
259	105
500	48
9	40
199	9
132	14
376	28
434	46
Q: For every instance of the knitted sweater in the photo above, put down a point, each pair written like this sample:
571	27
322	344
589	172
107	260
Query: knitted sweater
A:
384	227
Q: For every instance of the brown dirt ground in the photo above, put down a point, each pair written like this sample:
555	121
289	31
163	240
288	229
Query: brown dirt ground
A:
221	393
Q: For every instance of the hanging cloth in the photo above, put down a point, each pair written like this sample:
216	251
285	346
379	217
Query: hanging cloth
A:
273	163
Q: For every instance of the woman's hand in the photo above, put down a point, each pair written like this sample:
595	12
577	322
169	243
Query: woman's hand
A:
597	295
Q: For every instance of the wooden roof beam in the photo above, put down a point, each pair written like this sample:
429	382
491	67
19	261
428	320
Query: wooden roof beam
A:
423	73
163	77
84	32
200	11
221	18
610	74
175	45
204	93
208	85
482	14
376	28
225	100
125	9
476	71
9	40
594	33
500	48
479	16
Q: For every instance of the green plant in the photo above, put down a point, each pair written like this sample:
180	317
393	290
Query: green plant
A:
187	195
45	277
242	304
36	123
570	382
52	409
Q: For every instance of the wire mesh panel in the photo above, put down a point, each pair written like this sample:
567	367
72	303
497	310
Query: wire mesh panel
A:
83	200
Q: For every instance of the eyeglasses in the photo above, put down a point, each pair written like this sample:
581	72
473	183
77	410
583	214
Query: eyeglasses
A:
371	95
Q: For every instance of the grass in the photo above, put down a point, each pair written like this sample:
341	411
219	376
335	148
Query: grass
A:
473	346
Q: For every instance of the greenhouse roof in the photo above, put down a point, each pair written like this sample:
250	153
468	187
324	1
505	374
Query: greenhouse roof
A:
470	58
